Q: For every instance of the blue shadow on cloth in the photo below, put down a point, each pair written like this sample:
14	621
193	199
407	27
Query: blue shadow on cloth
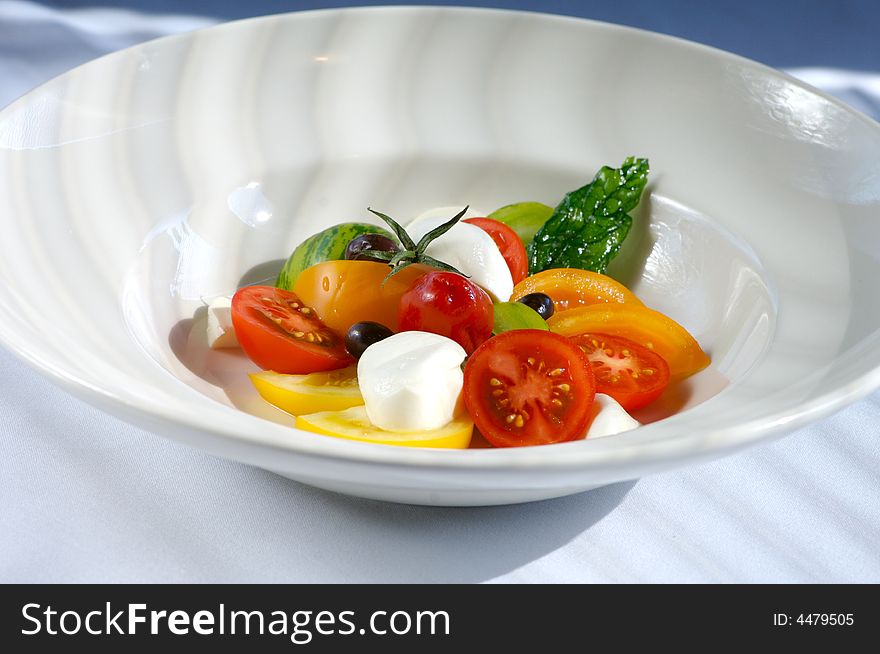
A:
389	543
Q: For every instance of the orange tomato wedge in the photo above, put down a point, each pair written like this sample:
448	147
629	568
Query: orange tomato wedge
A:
571	287
638	323
346	292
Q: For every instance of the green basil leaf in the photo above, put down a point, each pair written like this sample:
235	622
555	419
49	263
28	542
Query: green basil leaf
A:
516	315
588	227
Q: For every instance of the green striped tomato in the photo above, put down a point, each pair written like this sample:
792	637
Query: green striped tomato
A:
327	245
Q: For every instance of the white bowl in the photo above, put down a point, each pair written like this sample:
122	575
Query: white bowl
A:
136	186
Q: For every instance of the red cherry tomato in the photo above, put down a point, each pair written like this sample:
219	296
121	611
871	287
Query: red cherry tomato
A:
630	373
529	387
448	304
510	244
278	332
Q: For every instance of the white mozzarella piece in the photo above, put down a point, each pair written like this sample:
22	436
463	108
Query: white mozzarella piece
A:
411	381
468	249
445	213
611	418
219	327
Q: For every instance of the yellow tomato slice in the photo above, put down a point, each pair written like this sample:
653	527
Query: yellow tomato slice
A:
334	390
638	323
354	424
572	287
345	292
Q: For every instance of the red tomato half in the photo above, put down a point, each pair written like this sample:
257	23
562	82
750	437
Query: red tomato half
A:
448	304
278	332
510	244
529	387
630	373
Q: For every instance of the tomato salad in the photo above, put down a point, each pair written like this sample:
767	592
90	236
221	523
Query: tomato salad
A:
505	324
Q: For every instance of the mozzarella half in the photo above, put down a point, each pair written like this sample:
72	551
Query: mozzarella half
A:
445	213
468	249
219	327
411	381
610	418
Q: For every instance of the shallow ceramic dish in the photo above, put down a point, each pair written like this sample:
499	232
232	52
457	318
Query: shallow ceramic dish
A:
136	187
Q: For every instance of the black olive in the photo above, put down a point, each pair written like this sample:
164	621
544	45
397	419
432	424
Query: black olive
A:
360	247
362	335
540	302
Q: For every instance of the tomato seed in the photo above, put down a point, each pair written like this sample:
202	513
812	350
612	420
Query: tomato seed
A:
556	372
563	387
494	382
519	422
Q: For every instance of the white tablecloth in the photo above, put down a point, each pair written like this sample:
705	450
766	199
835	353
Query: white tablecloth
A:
85	497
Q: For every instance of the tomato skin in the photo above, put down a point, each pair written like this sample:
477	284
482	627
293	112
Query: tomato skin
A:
346	292
630	373
509	243
450	305
645	326
275	345
571	287
529	387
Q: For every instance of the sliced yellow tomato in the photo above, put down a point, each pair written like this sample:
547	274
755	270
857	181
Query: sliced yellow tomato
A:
354	424
638	323
571	287
346	292
334	390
